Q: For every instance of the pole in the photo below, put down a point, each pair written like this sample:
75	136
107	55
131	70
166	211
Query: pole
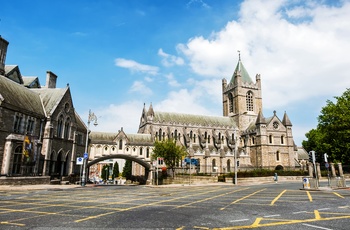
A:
235	156
91	117
83	181
190	169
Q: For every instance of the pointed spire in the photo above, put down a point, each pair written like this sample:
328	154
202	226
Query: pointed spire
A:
150	110
286	121
241	71
260	119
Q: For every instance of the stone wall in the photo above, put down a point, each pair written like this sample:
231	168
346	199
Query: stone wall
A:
24	180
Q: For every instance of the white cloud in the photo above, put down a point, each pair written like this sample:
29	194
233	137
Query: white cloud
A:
296	61
181	101
114	117
138	86
171	80
136	67
170	60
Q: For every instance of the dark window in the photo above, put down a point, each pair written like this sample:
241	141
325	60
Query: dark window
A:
120	144
230	99
249	101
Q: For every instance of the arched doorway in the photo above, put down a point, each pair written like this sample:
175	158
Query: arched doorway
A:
146	165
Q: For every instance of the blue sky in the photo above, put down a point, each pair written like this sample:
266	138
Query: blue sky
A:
117	55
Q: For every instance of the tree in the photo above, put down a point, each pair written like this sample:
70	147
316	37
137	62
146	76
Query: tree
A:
115	173
170	152
332	134
127	170
105	172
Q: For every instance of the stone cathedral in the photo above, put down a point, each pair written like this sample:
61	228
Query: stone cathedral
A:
259	141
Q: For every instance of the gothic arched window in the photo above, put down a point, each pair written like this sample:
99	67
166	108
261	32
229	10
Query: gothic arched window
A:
230	101
60	126
249	101
67	129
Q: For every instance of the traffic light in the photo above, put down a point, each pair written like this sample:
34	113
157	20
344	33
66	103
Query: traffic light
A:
312	157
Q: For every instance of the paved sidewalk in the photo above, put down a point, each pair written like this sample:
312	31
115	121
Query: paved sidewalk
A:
36	187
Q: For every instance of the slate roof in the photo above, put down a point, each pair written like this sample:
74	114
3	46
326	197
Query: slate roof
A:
102	137
18	96
50	97
29	81
139	138
243	72
190	119
302	154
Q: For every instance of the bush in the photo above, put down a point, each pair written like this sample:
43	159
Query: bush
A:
267	172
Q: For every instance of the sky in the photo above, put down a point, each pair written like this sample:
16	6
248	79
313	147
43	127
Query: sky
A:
117	55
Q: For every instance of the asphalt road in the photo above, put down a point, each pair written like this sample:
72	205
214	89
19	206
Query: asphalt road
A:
267	206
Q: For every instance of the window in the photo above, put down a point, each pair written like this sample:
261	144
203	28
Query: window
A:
67	129
120	144
230	99
194	138
213	163
249	101
278	156
140	151
60	126
17	124
282	140
30	126
160	135
147	153
228	165
270	139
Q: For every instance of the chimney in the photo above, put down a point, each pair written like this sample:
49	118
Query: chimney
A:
3	50
50	80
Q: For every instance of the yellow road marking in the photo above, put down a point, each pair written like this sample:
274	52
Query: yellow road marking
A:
143	205
210	198
309	195
9	223
245	197
257	222
279	196
338	194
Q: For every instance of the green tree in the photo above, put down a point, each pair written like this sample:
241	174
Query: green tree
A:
115	173
332	134
170	152
127	170
105	172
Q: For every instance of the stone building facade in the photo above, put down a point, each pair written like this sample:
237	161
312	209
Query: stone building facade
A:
258	141
40	132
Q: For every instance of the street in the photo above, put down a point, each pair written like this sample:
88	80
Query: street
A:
265	206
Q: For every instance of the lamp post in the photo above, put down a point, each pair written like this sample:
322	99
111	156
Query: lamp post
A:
92	117
235	155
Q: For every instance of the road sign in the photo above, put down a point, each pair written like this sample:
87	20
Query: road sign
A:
327	165
86	156
80	160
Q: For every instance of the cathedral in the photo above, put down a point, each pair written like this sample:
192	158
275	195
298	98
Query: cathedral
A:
258	141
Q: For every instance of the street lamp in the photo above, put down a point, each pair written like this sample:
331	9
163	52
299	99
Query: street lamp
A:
235	154
92	117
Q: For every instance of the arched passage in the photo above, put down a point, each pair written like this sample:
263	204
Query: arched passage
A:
146	165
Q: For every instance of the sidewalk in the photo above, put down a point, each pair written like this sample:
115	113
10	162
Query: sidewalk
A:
37	187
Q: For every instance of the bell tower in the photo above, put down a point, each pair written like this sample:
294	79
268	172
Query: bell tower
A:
242	97
3	50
